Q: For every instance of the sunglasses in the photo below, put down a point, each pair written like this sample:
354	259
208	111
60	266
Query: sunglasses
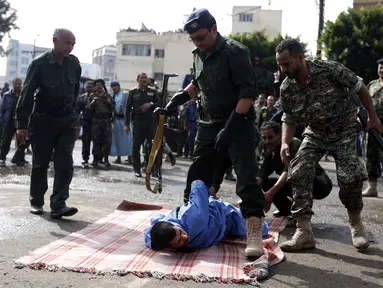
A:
199	38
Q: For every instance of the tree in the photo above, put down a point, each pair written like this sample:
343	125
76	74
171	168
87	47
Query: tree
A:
355	40
320	28
8	17
262	52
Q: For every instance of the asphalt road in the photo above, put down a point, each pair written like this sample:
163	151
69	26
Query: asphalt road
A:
334	263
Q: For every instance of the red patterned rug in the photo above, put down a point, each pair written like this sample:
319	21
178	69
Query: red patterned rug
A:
115	245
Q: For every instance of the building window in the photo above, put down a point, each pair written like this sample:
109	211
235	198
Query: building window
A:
245	17
158	76
23	71
25	61
13	63
160	53
25	52
12	73
136	50
14	52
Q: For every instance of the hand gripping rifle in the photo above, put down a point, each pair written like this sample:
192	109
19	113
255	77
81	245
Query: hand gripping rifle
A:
363	116
155	156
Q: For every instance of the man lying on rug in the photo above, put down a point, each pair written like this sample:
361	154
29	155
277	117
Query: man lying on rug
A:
202	222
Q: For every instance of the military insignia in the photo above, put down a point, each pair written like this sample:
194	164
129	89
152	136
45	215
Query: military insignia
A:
150	93
194	25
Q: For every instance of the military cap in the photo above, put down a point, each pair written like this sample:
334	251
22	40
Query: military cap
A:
199	19
380	61
114	83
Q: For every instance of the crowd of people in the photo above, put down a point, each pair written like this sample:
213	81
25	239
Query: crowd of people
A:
220	124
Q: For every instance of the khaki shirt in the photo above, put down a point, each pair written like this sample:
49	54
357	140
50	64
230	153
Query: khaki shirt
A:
325	106
376	91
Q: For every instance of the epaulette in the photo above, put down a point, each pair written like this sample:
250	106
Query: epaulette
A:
132	89
40	58
233	46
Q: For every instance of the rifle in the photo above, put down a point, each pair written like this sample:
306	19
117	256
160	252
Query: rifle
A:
363	116
155	156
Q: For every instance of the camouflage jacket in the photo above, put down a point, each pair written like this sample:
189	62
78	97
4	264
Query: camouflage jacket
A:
376	90
324	106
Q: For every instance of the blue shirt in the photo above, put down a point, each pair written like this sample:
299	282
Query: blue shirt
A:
191	115
206	220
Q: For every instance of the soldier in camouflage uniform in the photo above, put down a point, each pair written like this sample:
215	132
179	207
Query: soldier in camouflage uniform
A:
316	94
101	106
374	154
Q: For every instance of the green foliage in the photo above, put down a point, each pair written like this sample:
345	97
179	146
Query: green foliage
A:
8	19
264	49
355	39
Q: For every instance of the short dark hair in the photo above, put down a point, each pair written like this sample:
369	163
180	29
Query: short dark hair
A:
162	234
291	45
272	125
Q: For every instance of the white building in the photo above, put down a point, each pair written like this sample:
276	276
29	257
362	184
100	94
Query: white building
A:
105	57
154	54
92	71
19	57
248	19
2	81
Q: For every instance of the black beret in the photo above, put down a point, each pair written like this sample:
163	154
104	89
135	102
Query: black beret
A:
380	61
199	19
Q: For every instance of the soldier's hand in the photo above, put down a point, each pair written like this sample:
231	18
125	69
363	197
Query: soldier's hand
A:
22	135
127	129
285	154
145	107
374	123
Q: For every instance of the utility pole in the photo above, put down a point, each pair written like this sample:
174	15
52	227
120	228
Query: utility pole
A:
34	47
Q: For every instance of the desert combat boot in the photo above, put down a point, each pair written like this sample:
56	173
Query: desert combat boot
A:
254	247
303	237
358	234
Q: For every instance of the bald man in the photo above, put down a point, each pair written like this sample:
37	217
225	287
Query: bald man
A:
51	88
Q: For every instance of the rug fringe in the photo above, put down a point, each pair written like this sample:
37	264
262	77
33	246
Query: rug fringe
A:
254	274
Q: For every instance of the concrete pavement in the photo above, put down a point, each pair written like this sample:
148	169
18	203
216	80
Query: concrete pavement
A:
335	263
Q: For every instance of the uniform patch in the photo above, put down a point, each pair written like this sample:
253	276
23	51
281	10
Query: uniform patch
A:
194	25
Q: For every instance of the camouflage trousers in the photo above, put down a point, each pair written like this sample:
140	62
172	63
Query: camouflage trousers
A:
101	137
374	157
351	172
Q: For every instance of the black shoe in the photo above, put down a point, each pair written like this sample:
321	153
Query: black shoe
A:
94	163
229	176
138	174
277	213
64	212
172	158
118	160
37	210
85	162
107	163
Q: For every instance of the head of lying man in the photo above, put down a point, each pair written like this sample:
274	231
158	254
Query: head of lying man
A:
166	236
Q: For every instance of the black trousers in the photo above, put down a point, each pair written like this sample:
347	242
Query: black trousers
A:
6	139
48	134
322	188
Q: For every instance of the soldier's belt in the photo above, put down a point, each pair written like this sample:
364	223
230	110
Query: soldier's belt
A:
101	116
215	116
